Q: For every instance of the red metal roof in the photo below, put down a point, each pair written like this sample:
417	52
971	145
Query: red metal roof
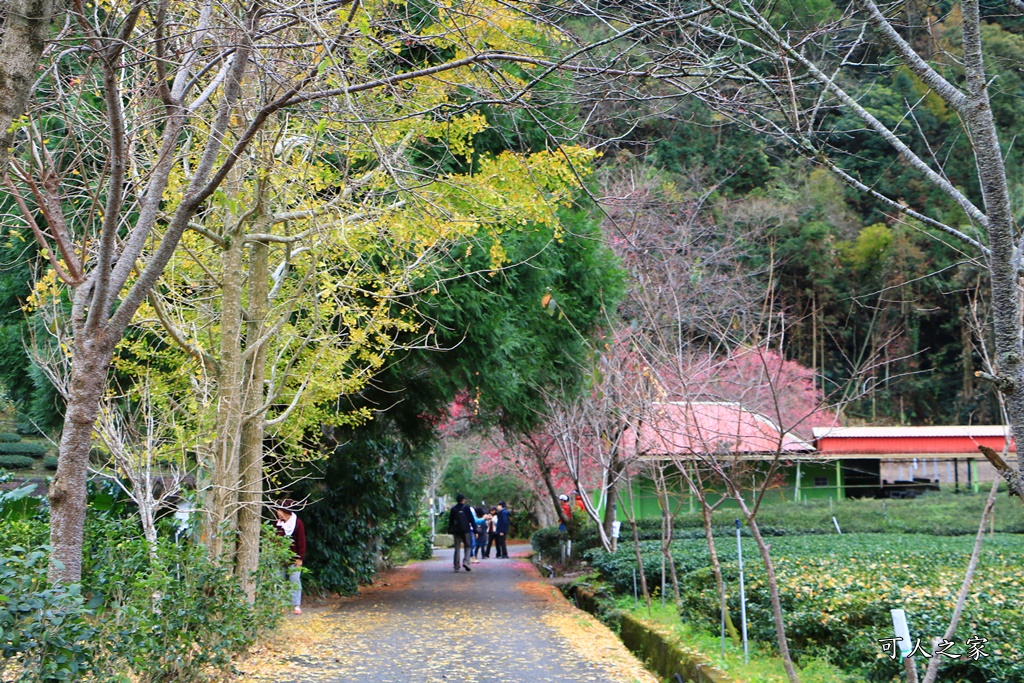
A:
693	428
924	441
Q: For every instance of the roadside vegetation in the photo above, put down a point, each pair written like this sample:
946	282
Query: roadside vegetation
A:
836	590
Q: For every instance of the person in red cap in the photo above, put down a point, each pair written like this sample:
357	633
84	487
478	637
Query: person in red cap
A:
288	524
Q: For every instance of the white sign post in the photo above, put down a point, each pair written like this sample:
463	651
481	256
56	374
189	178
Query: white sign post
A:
899	625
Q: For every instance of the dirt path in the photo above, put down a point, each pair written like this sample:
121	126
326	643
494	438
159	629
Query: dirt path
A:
499	623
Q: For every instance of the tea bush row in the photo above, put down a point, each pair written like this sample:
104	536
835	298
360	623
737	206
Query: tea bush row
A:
16	462
940	514
837	592
23	448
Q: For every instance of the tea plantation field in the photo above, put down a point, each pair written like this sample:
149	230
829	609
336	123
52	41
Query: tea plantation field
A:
837	592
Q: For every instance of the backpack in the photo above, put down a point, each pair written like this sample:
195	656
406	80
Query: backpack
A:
459	521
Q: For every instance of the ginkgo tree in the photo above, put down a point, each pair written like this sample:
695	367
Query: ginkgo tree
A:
317	286
144	125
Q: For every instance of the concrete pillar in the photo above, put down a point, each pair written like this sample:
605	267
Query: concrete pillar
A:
796	491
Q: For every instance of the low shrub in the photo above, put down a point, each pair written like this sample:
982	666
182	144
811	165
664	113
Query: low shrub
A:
176	617
546	541
16	462
182	616
582	532
938	513
50	462
46	631
416	545
27	533
23	448
6	437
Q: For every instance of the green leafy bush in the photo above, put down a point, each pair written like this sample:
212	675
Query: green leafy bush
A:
27	533
17	503
416	545
6	437
185	616
178	617
16	462
50	462
46	631
545	541
23	448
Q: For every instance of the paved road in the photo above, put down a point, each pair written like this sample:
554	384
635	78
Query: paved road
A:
496	624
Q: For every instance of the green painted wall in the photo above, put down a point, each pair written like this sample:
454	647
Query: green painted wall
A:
817	481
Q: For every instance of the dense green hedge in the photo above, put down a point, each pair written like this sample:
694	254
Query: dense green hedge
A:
364	512
16	461
23	448
837	592
50	462
6	437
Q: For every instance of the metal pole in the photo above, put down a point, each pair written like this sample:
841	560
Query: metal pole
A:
663	579
636	597
743	594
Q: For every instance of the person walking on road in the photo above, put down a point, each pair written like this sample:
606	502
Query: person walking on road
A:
491	519
501	528
479	535
288	524
460	526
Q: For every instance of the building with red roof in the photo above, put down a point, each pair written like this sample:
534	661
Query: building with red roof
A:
839	462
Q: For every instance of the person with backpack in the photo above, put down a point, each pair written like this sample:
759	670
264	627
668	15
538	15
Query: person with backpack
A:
501	529
461	527
480	541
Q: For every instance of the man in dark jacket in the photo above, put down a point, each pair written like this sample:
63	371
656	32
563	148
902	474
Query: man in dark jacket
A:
501	529
461	527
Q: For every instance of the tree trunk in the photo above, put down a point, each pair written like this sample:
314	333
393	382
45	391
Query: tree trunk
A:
67	492
26	24
545	472
636	550
222	497
614	472
250	494
716	566
773	590
639	561
1003	263
667	521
